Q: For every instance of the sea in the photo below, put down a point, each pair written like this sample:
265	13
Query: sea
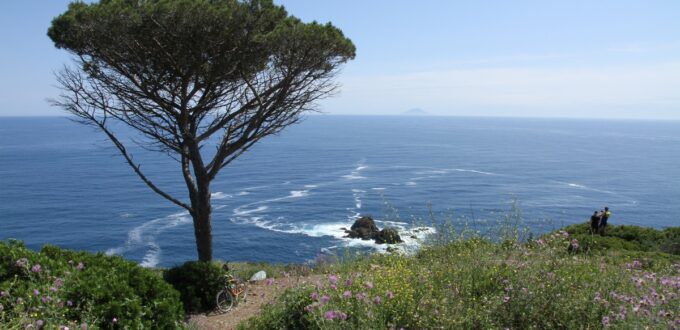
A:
288	199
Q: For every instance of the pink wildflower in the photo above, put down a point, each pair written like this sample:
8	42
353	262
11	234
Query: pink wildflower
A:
347	294
36	268
325	299
21	263
329	315
369	285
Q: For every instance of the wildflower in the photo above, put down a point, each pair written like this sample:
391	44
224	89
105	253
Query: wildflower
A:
574	244
69	303
506	299
377	300
36	268
40	324
44	300
21	263
348	282
314	295
325	299
270	281
53	289
333	279
3	293
329	315
334	287
36	292
63	327
309	308
369	285
80	266
114	320
389	294
605	321
58	283
341	315
347	294
362	296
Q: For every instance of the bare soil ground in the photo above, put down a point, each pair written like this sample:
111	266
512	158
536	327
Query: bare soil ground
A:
259	294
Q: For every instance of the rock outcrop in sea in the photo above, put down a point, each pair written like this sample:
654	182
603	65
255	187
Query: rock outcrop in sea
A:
366	229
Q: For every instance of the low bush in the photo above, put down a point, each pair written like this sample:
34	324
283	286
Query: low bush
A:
631	238
198	284
476	283
55	287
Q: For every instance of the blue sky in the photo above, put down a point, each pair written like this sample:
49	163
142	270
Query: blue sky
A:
601	59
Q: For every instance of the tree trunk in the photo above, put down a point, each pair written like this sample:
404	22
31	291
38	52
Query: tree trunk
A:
202	216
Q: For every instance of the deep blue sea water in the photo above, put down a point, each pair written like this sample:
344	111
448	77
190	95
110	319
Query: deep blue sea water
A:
287	198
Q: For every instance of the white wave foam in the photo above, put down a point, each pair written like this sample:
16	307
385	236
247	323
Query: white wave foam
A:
410	183
310	186
353	176
239	211
299	193
125	215
472	171
378	188
152	256
144	236
580	186
430	172
412	237
219	195
243	193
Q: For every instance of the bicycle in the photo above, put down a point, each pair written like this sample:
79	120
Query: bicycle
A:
234	290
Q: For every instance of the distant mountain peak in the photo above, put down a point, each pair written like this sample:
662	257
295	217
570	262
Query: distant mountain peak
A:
415	112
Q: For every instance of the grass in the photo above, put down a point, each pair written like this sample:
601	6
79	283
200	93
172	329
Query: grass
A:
566	279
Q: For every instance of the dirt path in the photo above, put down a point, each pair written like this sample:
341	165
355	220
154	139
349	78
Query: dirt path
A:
259	294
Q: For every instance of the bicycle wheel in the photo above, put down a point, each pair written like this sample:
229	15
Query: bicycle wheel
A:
225	301
244	294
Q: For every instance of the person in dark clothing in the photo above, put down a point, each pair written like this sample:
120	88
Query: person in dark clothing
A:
594	223
603	223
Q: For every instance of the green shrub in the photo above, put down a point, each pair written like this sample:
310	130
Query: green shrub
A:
66	288
474	283
198	284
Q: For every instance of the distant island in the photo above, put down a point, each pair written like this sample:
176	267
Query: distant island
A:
415	112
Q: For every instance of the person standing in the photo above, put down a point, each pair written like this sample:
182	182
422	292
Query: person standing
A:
603	223
594	223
